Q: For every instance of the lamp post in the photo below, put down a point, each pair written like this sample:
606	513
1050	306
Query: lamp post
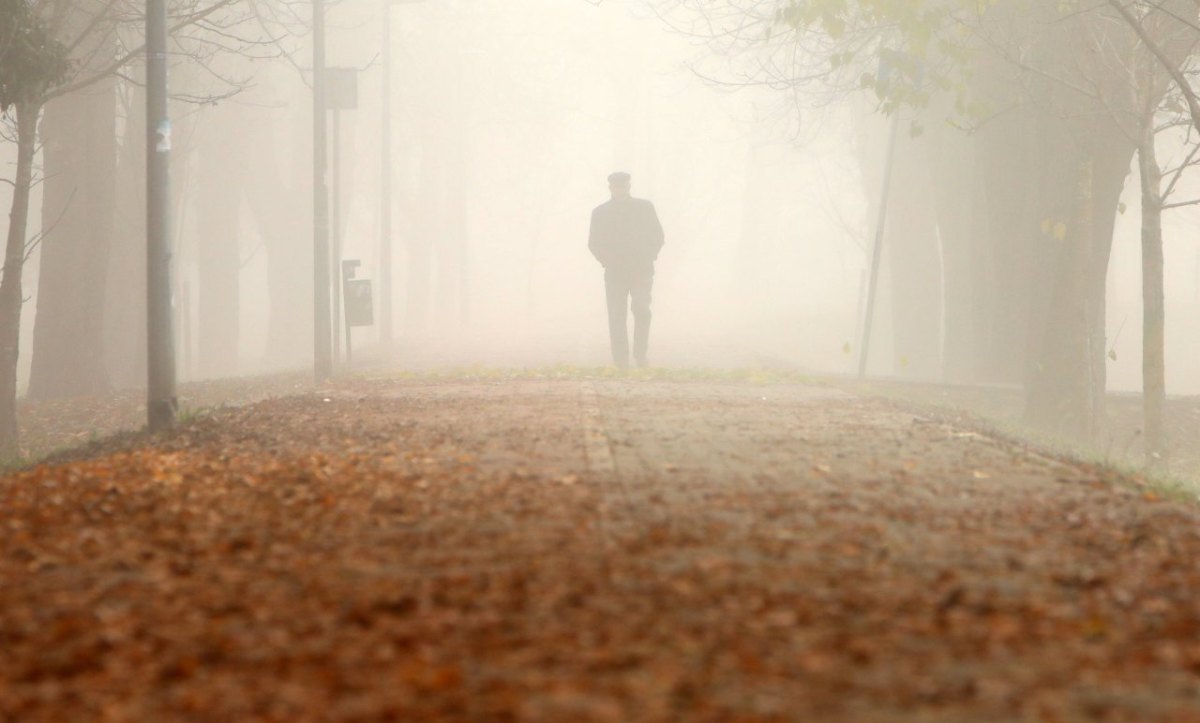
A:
322	333
161	402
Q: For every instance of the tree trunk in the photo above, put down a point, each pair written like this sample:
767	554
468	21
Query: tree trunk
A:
10	283
1083	162
455	276
450	240
952	168
289	286
219	179
125	298
1060	389
914	264
1112	154
426	228
1154	386
1007	265
78	205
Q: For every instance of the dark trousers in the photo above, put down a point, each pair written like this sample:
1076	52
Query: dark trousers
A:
622	286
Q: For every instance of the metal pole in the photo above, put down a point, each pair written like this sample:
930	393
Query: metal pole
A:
385	186
322	338
878	251
336	235
161	403
349	347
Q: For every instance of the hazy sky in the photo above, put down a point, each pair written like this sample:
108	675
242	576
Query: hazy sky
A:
766	228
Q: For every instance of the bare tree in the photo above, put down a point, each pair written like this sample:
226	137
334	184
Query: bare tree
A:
31	62
97	52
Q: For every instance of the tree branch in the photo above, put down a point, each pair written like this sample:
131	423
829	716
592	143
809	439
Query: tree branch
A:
1185	88
131	54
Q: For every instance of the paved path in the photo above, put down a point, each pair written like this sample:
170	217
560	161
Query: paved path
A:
591	550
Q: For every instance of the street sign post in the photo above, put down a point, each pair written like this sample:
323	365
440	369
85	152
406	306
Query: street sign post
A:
323	341
360	310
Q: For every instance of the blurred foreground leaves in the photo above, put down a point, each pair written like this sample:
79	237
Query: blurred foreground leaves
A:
439	550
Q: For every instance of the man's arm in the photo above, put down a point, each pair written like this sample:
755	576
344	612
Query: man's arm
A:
595	240
656	237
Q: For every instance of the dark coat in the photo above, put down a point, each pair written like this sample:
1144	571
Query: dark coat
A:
625	235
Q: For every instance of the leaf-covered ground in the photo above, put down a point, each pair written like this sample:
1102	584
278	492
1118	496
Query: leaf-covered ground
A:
50	426
1120	442
605	550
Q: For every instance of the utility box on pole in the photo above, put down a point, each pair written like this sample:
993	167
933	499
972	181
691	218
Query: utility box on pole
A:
341	90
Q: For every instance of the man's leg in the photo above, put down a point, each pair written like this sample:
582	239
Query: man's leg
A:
640	289
617	289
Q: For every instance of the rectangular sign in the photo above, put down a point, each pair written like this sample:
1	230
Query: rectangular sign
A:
360	310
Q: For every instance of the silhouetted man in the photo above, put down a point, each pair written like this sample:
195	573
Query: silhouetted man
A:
625	238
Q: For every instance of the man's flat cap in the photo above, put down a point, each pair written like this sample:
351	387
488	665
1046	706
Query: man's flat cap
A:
618	177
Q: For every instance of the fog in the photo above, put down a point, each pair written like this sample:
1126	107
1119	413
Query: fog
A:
507	117
915	434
